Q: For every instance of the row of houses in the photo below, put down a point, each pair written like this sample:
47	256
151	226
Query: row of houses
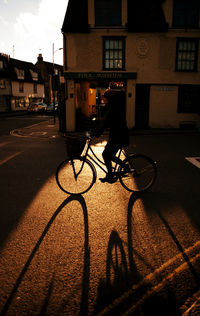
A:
150	48
22	83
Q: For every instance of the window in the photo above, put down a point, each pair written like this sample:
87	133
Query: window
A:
186	13
113	53
35	88
108	12
187	54
21	87
1	64
20	73
189	99
2	84
34	75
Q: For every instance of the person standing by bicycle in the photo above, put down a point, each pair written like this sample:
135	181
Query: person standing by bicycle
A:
115	120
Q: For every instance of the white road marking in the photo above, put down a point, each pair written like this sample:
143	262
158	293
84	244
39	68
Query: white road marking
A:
4	144
38	133
194	160
9	157
151	276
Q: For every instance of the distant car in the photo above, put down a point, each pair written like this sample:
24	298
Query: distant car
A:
38	107
50	107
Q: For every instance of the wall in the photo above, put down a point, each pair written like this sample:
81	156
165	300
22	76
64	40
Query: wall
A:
28	90
163	108
27	95
151	55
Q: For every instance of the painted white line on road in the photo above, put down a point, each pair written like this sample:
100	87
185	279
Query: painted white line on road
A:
9	157
152	276
38	133
161	285
194	160
4	144
15	132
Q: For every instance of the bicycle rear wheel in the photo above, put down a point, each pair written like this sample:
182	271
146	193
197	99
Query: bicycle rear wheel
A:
75	176
138	173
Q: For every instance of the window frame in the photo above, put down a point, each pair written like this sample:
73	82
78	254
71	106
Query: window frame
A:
114	38
196	41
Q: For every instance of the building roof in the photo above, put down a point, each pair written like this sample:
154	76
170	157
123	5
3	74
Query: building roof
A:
48	66
11	66
76	17
143	16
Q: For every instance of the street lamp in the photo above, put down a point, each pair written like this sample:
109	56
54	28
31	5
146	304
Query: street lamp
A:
53	78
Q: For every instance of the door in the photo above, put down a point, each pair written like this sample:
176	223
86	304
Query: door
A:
142	106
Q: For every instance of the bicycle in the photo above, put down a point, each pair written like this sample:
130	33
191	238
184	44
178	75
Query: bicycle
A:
77	174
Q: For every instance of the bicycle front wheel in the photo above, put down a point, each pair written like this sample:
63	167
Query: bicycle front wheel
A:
75	176
138	173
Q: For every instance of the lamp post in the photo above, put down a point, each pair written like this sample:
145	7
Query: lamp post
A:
53	81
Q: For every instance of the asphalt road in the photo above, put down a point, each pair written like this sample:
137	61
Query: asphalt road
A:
108	252
8	123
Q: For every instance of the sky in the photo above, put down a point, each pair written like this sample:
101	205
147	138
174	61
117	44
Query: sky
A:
30	27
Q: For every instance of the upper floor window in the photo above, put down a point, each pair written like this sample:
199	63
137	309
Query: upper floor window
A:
34	75
21	87
187	54
108	12
35	88
113	53
1	64
20	73
186	13
2	84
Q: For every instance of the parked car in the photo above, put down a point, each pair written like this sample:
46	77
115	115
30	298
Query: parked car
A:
50	107
38	107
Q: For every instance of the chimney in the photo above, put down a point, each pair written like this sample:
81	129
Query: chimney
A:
40	58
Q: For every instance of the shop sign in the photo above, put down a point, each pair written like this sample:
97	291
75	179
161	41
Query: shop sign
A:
166	88
101	75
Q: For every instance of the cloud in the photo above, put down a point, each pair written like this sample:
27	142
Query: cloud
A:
3	21
38	32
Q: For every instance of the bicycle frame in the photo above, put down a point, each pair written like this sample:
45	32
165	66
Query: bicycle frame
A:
99	162
125	170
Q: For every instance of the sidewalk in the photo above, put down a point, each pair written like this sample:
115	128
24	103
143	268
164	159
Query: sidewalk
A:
49	129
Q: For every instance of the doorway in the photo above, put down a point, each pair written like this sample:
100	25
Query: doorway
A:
142	106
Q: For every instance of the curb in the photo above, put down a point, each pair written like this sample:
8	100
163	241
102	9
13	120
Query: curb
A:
44	129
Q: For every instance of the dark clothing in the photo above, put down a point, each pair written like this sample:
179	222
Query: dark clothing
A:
115	120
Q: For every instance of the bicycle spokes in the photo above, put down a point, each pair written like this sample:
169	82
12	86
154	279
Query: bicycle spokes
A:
139	173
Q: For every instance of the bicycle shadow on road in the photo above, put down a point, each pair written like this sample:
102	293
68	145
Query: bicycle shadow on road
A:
124	289
86	269
116	293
